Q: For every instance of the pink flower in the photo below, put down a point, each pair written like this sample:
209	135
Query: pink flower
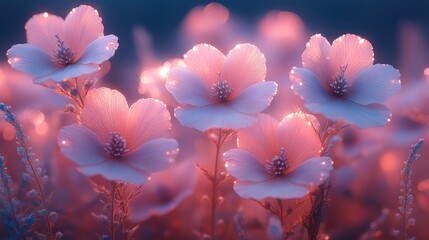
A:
58	49
219	91
165	191
278	160
117	142
341	82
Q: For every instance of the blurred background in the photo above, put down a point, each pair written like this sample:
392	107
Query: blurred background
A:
377	21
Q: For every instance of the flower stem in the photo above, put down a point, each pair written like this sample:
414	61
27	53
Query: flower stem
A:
112	216
25	153
314	218
279	201
39	186
214	185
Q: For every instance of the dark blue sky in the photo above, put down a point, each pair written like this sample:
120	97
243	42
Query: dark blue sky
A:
375	20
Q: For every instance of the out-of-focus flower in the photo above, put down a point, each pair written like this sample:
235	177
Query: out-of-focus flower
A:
282	30
219	91
212	24
117	142
278	160
165	192
152	82
341	82
58	49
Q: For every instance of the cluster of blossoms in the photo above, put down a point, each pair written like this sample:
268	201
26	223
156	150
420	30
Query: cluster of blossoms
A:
217	94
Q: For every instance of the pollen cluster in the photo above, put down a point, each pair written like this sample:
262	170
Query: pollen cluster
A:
64	55
116	146
278	164
221	90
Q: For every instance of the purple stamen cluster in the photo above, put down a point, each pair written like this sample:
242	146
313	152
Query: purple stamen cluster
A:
64	55
116	146
278	164
340	85
221	90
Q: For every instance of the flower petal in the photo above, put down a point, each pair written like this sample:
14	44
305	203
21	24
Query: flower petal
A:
187	87
352	51
81	27
206	61
255	98
260	138
306	85
316	57
213	116
80	145
244	166
116	170
276	187
244	65
100	50
301	142
156	155
375	84
167	189
292	185
373	115
311	172
105	111
41	30
147	119
70	71
30	59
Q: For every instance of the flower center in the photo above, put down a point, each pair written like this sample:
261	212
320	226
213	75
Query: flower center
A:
221	90
64	55
116	146
340	85
278	164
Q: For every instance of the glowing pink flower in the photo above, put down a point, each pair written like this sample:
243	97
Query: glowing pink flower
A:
58	49
117	142
278	160
219	91
341	82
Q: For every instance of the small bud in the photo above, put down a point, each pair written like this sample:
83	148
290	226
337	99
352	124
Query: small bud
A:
53	216
32	193
70	108
74	92
105	237
398	216
42	212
